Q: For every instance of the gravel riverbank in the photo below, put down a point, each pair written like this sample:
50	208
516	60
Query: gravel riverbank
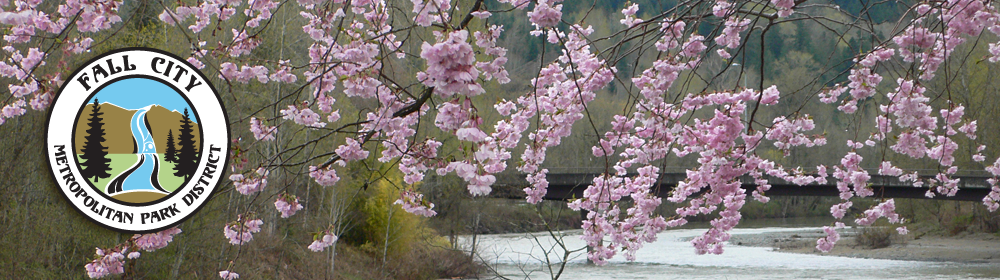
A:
962	248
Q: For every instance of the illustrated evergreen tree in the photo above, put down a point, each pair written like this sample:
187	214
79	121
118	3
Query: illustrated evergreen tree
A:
187	155
171	153
96	163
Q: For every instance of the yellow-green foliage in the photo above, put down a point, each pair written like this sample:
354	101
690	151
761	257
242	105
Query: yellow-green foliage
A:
388	221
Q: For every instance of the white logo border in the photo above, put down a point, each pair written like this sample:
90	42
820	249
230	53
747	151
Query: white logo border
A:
211	116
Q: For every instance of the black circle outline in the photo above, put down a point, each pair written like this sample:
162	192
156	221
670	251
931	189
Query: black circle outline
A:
201	133
225	116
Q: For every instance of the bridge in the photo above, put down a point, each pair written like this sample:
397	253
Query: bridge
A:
973	186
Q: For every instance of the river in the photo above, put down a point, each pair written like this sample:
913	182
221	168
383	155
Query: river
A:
522	256
142	176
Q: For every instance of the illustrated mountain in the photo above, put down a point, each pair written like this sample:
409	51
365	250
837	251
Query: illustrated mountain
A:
118	137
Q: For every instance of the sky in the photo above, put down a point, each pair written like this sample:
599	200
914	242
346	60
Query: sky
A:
136	93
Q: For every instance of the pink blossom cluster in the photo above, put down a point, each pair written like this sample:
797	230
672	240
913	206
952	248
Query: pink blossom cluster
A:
559	98
244	74
479	181
627	233
110	261
784	7
287	204
911	113
992	200
284	73
730	36
352	59
260	131
413	203
241	231
663	72
304	116
322	240
258	11
826	244
629	13
655	131
850	173
450	65
351	151
93	15
250	183
107	262
228	275
324	176
152	241
430	11
722	8
27	21
460	116
242	43
830	95
723	142
885	209
487	41
202	13
547	13
788	133
421	157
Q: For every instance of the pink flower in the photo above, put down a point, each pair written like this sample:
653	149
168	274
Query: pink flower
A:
287	204
261	132
228	275
304	116
324	177
242	44
969	129
545	15
784	7
481	14
770	96
470	134
430	11
321	243
241	232
250	185
629	12
450	66
351	151
826	244
153	241
413	203
721	8
108	262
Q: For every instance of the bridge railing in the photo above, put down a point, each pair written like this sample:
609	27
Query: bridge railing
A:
805	170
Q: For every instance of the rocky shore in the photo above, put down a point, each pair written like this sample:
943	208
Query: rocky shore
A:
962	248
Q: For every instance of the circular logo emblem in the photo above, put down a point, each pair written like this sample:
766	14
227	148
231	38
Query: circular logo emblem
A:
137	140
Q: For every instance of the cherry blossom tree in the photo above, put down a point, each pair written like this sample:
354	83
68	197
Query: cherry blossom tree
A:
424	80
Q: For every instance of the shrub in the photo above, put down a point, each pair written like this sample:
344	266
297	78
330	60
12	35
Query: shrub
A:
875	237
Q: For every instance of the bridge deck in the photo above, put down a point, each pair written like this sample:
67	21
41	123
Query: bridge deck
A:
564	186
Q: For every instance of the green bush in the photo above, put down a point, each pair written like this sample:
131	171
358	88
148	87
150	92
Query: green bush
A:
875	237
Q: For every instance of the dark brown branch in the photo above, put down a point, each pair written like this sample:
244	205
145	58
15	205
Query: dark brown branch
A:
409	109
468	17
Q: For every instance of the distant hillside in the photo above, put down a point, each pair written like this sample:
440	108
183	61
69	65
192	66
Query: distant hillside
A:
118	134
162	120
